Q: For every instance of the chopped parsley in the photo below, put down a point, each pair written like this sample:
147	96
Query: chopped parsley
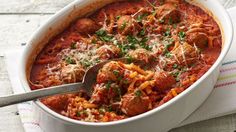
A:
126	81
124	24
176	75
175	66
132	39
86	63
141	17
69	60
78	114
129	59
118	17
161	21
167	43
168	55
108	85
144	45
167	32
131	44
97	60
182	35
142	32
138	93
102	34
101	110
116	72
119	78
73	45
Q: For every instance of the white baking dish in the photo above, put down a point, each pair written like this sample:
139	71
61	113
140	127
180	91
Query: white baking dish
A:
160	119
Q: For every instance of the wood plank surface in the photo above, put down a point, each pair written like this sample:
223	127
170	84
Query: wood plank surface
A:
9	118
17	29
31	6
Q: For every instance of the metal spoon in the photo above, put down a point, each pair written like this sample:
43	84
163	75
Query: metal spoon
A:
86	85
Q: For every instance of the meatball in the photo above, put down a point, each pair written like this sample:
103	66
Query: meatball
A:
199	39
72	73
169	14
126	25
164	80
57	102
132	104
140	55
86	26
110	72
185	54
106	52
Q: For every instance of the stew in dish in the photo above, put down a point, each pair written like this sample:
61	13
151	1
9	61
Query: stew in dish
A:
169	44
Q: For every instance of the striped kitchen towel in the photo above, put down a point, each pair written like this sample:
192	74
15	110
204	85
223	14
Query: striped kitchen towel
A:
221	101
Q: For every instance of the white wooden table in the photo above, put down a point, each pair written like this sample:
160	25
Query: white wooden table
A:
20	18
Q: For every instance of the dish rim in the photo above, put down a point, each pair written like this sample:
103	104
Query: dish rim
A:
224	51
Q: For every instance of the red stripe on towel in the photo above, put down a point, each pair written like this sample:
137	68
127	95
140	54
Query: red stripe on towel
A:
225	84
228	69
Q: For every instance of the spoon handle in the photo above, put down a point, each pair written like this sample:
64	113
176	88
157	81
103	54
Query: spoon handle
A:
36	94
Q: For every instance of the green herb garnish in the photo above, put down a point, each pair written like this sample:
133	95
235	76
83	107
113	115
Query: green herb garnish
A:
108	85
141	17
124	24
86	63
161	21
167	32
118	17
143	44
73	45
142	32
138	93
176	75
69	60
182	35
129	59
168	55
102	34
116	72
175	66
78	114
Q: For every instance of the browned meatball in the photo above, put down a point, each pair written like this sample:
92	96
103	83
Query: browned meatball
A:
132	104
168	14
126	25
72	73
140	55
185	54
164	80
110	72
57	102
199	39
108	52
86	26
